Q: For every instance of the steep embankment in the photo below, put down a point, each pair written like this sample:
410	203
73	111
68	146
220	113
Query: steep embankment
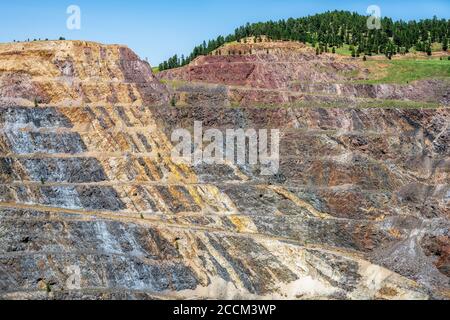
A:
358	210
75	73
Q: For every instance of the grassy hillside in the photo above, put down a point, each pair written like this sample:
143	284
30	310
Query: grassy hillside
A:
406	71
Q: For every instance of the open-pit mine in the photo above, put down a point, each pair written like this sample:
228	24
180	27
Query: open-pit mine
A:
358	210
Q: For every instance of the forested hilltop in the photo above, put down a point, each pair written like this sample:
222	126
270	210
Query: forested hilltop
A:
331	30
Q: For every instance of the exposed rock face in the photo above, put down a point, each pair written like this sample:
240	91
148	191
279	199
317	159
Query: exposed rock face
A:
76	73
95	187
358	210
285	72
270	71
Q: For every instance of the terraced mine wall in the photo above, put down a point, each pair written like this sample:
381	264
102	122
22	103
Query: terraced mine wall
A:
286	73
359	208
93	207
74	73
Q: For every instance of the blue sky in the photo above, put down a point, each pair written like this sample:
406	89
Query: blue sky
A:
157	29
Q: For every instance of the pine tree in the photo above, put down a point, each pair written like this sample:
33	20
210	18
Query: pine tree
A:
352	50
428	49
333	50
445	44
